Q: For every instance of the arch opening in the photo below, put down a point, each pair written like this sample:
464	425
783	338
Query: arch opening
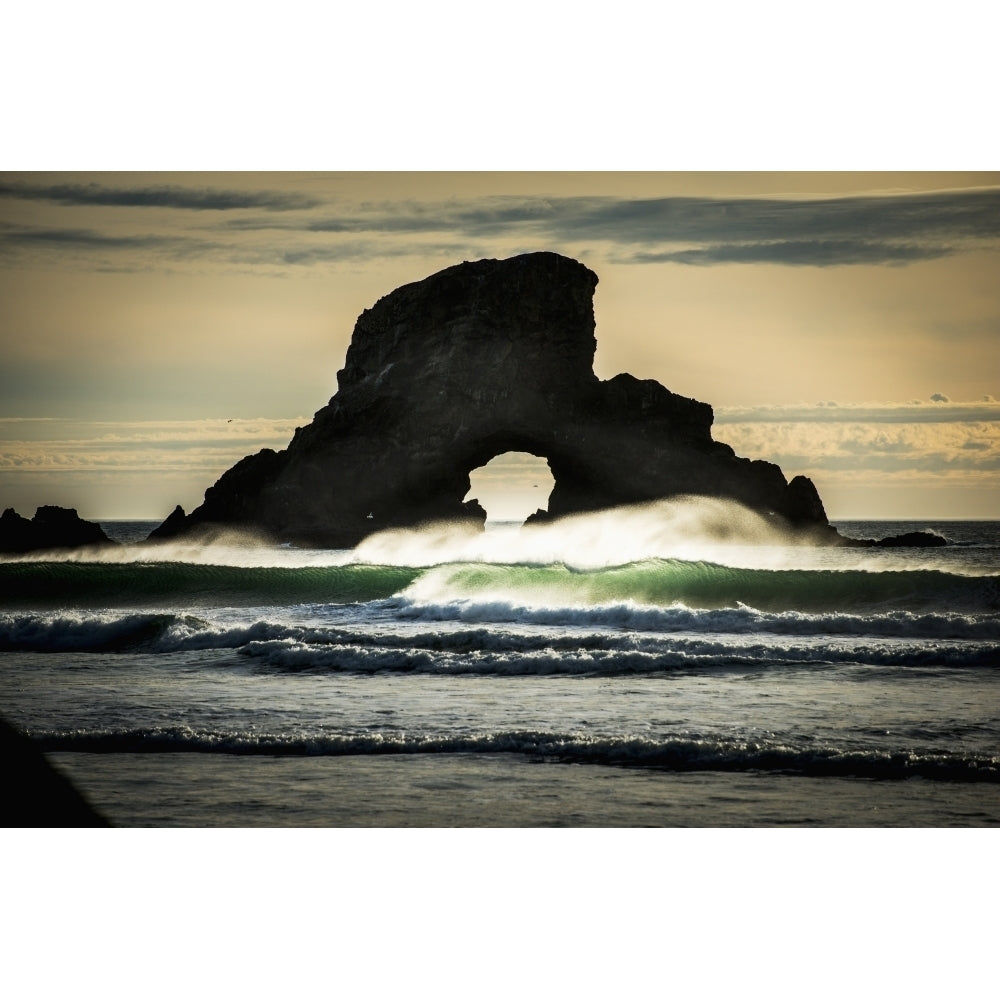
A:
511	486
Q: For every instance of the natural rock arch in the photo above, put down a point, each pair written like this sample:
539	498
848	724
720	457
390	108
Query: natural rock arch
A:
480	359
511	486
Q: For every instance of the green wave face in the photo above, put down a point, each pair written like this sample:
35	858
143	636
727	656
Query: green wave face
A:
654	583
662	583
53	584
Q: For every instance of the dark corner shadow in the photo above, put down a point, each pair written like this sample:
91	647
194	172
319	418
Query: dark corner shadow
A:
35	793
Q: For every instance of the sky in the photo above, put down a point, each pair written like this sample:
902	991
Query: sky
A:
157	327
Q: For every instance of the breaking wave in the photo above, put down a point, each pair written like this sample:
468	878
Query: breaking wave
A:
609	641
678	753
660	582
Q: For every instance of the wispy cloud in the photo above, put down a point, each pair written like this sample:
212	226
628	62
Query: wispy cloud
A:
801	253
934	411
89	239
95	248
77	456
815	232
966	442
892	229
356	250
860	450
159	196
151	446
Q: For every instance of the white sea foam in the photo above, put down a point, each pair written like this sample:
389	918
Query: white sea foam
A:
469	628
742	620
680	752
688	528
692	528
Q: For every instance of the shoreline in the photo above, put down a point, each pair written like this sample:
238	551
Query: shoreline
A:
495	791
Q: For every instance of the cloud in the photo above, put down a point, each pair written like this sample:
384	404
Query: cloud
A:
159	196
970	448
151	446
356	250
139	251
894	229
943	410
971	213
802	253
237	429
854	454
89	239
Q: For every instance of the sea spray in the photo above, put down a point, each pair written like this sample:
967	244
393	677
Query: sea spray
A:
690	528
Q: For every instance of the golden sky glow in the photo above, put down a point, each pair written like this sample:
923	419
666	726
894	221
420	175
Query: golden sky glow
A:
157	327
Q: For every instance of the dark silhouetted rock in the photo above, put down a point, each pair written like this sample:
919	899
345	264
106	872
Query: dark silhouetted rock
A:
171	527
539	517
909	539
50	528
17	534
912	539
35	794
480	359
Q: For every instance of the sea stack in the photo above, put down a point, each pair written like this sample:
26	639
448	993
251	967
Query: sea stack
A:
483	358
50	528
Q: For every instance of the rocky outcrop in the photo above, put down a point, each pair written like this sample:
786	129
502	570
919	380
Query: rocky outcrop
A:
50	528
907	540
483	358
171	527
35	794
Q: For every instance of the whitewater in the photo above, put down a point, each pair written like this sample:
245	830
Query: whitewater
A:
680	664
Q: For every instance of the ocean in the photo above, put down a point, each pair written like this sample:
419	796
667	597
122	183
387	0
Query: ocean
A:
679	665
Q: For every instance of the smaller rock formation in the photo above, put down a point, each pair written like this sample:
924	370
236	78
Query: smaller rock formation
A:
908	540
171	527
50	528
